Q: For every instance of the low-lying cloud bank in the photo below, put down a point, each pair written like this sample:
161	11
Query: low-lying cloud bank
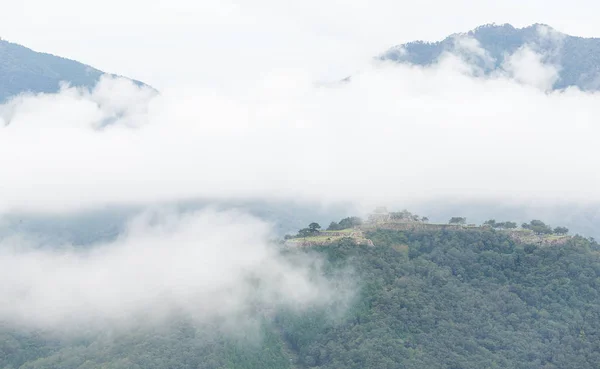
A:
210	266
394	134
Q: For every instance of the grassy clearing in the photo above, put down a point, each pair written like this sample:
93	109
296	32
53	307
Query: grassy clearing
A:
347	230
319	238
556	237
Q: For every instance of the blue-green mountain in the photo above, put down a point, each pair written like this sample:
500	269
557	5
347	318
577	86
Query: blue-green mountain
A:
24	70
577	58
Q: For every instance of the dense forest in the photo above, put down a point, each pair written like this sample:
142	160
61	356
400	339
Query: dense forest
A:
426	299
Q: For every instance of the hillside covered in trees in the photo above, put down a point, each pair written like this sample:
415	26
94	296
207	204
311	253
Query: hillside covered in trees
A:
23	70
425	299
577	58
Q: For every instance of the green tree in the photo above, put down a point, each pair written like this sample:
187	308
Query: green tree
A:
457	220
561	230
491	223
333	226
538	227
314	227
304	232
350	222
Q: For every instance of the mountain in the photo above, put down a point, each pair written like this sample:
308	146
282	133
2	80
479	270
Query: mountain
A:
577	58
429	298
25	70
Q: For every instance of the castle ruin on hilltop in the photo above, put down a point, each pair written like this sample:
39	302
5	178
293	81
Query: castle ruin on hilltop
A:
382	215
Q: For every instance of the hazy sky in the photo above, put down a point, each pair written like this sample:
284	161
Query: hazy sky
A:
185	42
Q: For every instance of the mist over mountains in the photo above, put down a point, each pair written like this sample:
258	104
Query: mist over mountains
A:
142	230
337	116
577	58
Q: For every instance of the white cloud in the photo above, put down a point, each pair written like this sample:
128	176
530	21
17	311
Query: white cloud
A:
212	266
393	134
528	67
472	53
550	35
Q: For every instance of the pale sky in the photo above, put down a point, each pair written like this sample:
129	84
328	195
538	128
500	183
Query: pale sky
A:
211	42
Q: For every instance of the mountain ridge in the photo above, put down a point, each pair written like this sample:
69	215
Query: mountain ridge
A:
23	70
577	58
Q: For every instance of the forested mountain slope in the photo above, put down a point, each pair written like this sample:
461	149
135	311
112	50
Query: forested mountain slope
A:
24	70
427	299
576	58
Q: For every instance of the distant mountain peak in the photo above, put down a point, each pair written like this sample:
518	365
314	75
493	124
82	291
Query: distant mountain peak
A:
23	70
577	59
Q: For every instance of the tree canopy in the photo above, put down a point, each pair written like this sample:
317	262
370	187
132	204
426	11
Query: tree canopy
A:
314	227
429	299
537	226
457	220
345	223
